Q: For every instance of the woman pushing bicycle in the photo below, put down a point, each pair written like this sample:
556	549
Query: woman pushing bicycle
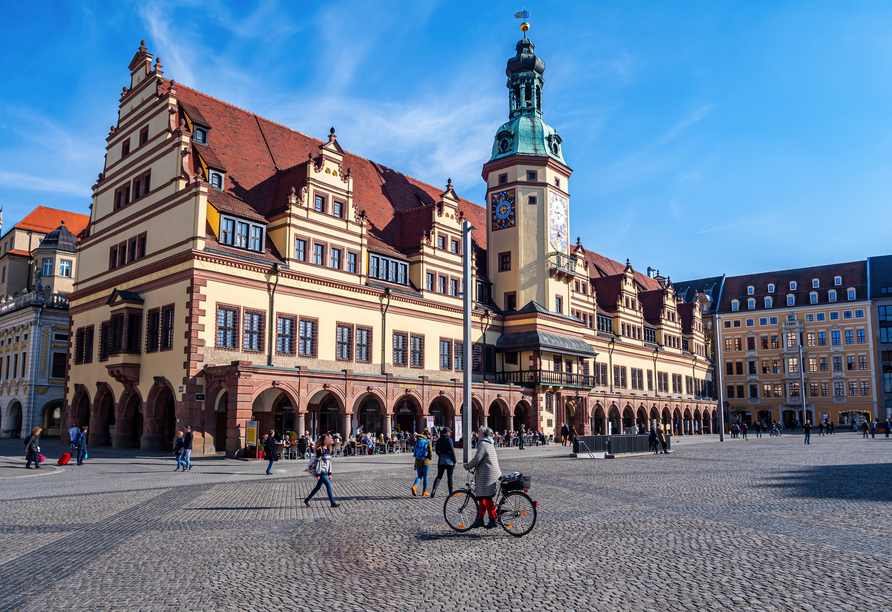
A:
486	476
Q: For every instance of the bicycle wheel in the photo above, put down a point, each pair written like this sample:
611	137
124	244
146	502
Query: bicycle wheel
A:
516	513
460	510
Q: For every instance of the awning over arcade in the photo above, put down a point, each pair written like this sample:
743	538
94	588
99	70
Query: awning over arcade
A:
544	341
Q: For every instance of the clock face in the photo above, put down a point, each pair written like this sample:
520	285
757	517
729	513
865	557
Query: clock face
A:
559	222
503	214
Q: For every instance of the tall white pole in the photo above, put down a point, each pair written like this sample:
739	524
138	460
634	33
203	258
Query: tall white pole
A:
468	341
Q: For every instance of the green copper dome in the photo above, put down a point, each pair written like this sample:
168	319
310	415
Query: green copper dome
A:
525	133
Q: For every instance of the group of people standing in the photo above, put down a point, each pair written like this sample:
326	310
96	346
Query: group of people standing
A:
657	441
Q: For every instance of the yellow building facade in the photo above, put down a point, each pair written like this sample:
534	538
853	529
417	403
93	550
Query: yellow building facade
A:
234	270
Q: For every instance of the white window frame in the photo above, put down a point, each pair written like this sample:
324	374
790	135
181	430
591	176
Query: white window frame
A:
52	264
791	300
815	283
768	302
851	294
813	297
792	285
63	270
735	305
750	290
831	295
751	303
837	280
770	287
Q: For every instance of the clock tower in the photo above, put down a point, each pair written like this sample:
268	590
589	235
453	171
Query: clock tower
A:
527	198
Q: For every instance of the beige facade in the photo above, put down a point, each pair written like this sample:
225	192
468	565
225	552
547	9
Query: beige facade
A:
234	269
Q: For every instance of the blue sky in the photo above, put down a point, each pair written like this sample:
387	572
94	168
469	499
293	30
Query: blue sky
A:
705	137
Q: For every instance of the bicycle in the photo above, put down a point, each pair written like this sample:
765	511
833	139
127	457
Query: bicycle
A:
515	510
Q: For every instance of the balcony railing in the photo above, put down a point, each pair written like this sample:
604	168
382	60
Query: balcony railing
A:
533	378
561	263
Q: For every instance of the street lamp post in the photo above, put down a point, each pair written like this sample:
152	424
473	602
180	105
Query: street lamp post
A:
802	383
467	346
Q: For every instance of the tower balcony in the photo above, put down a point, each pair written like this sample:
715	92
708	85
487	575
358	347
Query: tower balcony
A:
560	264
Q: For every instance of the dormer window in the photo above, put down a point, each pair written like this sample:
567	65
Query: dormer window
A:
851	294
217	180
735	305
813	297
200	135
242	234
791	300
831	295
837	280
750	290
768	302
770	287
751	303
393	271
792	285
815	283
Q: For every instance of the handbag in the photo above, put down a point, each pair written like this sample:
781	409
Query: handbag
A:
41	458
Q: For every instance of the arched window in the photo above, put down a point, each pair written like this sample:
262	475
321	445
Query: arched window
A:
750	290
831	295
837	280
735	305
813	297
768	302
792	285
850	293
770	287
751	303
815	283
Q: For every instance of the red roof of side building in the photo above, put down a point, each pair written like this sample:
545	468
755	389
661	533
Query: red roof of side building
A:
43	219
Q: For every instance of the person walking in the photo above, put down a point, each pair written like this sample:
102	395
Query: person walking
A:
743	429
322	469
187	449
178	450
422	454
445	460
32	450
486	478
653	441
81	445
269	451
521	435
807	429
565	433
662	438
758	428
888	427
72	434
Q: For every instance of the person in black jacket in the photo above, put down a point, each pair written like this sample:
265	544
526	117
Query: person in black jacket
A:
81	445
178	450
187	449
32	451
446	462
269	450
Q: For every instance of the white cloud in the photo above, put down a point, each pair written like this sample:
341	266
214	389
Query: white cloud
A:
71	187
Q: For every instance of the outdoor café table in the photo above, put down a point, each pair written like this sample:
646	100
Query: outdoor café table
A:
280	447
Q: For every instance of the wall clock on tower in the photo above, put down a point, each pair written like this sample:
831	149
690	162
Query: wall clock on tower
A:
558	222
503	214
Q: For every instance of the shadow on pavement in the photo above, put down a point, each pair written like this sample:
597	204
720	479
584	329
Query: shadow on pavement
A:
861	482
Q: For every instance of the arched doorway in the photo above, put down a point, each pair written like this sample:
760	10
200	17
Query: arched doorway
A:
102	421
371	417
82	410
654	417
405	414
707	422
283	416
15	419
667	420
613	423
676	422
628	420
498	418
129	427
521	412
161	421
221	422
641	419
441	413
51	419
688	425
598	421
329	417
698	424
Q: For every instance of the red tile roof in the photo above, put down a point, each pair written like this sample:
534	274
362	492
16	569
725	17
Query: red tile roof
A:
43	219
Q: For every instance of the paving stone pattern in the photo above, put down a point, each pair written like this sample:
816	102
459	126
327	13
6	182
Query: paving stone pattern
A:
760	525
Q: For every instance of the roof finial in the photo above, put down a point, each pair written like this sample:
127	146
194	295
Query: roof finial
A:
525	26
448	184
142	46
331	135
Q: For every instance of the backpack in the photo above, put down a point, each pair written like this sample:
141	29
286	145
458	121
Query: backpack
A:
422	450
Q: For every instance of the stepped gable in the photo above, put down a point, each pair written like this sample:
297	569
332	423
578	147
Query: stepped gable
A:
854	275
261	155
600	266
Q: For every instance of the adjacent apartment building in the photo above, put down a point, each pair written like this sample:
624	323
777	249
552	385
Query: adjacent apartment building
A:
879	275
796	345
37	267
234	269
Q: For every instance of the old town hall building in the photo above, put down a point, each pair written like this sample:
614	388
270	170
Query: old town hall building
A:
234	269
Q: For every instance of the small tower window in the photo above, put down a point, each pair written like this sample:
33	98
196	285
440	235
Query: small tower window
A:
503	178
531	175
201	135
557	181
217	180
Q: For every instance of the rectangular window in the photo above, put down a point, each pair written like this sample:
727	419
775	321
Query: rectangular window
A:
227	233
822	338
336	259
441	242
254	331
865	387
65	268
810	318
103	340
144	136
859	314
227	327
363	344
416	356
504	262
58	366
256	243
429	281
400	347
351	263
441	284
792	364
862	338
510	301
307	337
812	364
751	343
319	203
87	353
839	389
338	209
300	249
559	304
459	356
846	314
445	354
823	364
837	364
453	286
862	362
794	389
453	246
825	389
850	336
835	338
241	235
772	320
853	387
125	148
751	368
834	316
131	248
153	329
850	362
319	254
821	316
122	254
134	333
810	339
531	175
47	267
285	334
343	342
503	179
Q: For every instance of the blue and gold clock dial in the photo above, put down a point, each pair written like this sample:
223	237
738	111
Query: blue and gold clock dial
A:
503	214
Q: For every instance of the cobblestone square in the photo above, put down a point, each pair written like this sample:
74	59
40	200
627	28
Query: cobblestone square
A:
763	524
